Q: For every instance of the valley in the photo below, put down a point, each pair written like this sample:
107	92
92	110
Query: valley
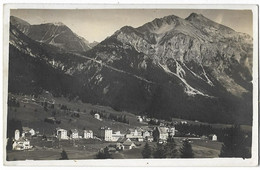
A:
152	90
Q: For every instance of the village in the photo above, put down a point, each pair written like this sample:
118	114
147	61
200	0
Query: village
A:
130	136
122	141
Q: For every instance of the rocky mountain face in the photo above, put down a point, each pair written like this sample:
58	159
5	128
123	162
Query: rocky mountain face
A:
190	68
56	34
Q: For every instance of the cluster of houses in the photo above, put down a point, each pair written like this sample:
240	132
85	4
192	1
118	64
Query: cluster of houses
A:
62	134
121	141
21	142
159	133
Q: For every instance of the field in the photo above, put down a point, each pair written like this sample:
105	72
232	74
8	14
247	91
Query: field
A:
32	114
87	149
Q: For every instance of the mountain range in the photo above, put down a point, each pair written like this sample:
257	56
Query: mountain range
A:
56	34
191	68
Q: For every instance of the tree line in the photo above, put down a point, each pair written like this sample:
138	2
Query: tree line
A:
234	145
200	130
168	150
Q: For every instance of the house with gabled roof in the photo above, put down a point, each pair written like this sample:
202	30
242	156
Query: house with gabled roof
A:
62	133
74	134
128	144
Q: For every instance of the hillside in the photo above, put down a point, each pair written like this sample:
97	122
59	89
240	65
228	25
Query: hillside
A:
32	113
171	67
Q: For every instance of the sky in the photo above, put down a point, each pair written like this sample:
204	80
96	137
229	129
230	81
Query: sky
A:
97	24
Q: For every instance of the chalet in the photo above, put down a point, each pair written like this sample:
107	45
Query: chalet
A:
184	122
162	133
62	133
140	119
135	134
97	116
171	131
27	132
74	134
21	144
213	137
149	138
128	144
146	133
120	146
32	132
88	134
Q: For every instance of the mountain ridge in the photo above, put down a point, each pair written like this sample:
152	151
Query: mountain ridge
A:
57	34
193	76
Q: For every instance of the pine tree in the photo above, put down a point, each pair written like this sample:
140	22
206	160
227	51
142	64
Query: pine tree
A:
64	155
171	148
106	153
186	150
147	152
103	154
160	151
234	143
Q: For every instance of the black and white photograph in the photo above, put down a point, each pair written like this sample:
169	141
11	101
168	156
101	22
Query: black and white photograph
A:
130	84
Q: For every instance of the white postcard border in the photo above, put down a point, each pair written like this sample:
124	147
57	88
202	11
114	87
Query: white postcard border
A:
138	162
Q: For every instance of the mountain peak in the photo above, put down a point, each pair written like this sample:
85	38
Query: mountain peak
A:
15	20
58	24
56	34
194	15
169	21
203	23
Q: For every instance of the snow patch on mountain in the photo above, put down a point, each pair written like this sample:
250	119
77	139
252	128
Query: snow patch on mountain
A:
188	89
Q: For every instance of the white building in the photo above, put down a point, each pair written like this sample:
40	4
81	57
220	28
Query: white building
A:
21	144
135	134
162	132
106	134
74	134
117	135
146	133
97	116
139	119
214	138
62	133
184	122
171	131
32	132
28	131
16	134
88	134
